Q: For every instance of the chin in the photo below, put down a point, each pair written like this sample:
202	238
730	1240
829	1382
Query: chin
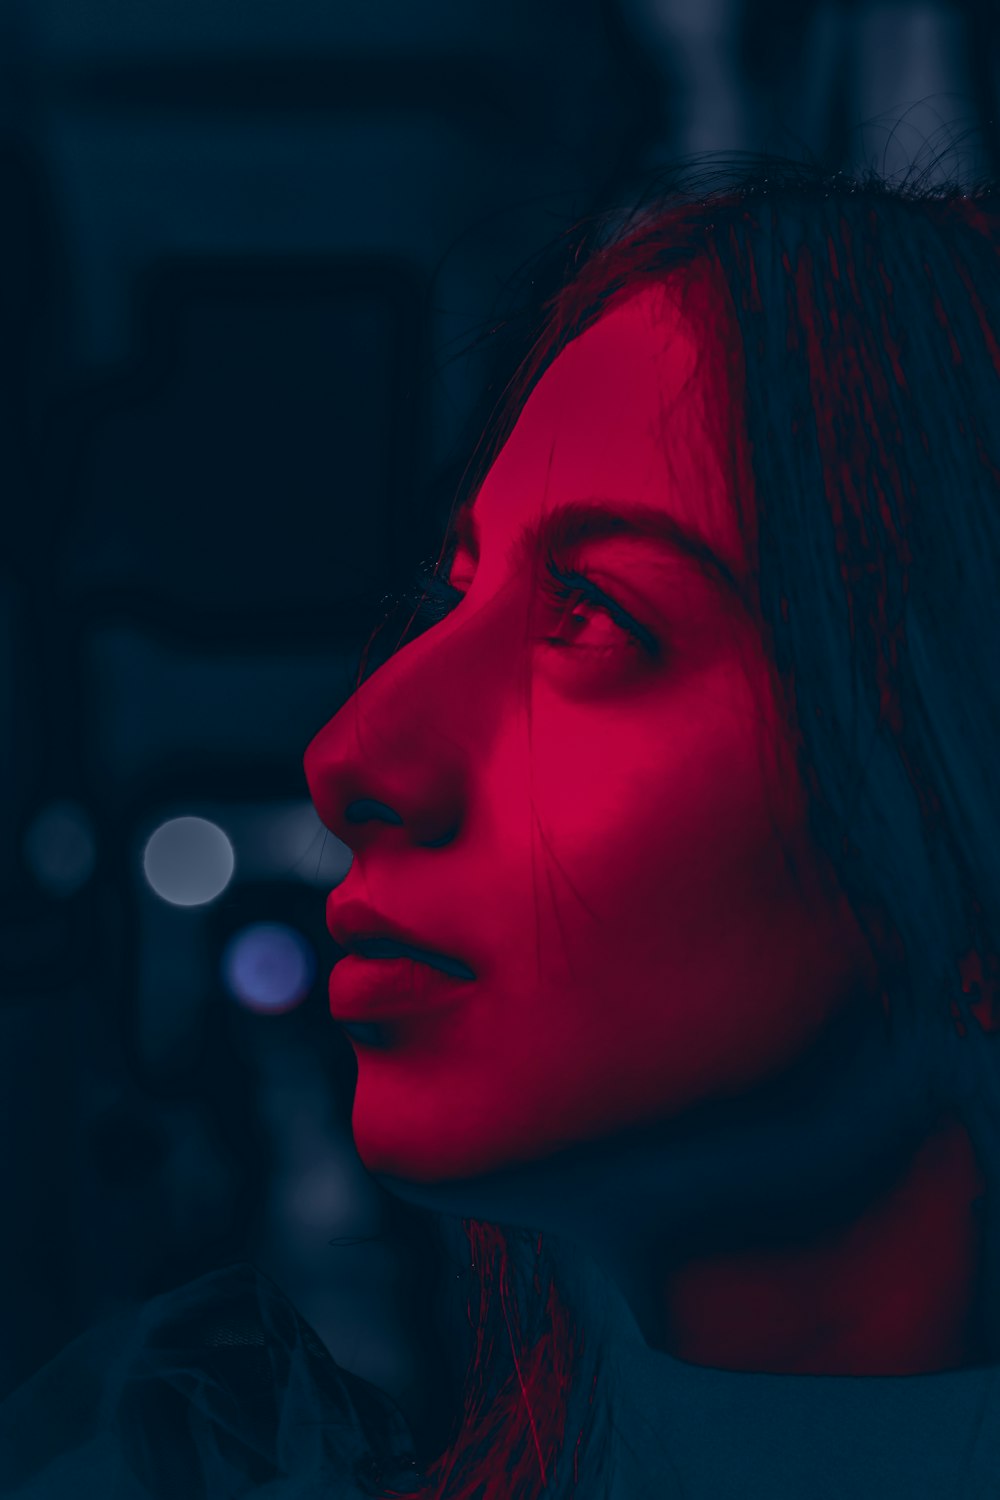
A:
433	1133
389	1148
390	1145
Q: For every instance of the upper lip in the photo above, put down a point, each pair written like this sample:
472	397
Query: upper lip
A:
359	929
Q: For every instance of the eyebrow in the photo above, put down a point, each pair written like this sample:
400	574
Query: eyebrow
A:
598	519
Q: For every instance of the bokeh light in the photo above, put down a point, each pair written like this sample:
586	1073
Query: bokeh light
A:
60	848
268	967
188	861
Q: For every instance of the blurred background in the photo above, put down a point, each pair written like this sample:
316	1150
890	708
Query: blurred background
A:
247	252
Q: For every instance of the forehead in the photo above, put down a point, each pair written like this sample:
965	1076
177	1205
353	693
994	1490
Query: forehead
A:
640	408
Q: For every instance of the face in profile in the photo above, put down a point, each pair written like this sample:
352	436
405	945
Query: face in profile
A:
580	786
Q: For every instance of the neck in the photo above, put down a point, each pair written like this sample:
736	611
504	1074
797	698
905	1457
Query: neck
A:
891	1292
824	1225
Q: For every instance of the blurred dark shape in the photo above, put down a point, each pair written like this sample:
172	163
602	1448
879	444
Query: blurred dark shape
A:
60	848
279	375
845	82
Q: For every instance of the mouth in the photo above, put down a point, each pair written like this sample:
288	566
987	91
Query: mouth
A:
381	989
384	948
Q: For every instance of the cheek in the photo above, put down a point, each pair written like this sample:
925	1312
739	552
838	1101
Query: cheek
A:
669	797
664	883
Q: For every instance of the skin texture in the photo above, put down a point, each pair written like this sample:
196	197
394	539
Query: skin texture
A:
613	840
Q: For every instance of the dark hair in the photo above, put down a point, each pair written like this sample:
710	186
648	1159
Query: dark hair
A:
869	323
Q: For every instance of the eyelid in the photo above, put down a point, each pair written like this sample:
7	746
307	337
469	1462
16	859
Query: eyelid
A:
577	578
441	593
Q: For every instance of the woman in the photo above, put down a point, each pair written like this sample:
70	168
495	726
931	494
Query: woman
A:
695	781
669	944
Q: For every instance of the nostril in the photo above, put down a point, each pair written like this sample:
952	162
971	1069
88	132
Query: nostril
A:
364	808
438	843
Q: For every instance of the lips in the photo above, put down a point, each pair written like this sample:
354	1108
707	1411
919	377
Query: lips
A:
387	977
359	928
384	947
395	994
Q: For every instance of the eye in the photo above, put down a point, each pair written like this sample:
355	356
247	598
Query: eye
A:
572	594
405	614
408	612
432	597
579	596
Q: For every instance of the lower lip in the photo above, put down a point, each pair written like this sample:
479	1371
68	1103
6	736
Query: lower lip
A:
375	990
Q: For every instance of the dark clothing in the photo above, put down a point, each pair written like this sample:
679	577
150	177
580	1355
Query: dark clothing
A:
215	1390
220	1389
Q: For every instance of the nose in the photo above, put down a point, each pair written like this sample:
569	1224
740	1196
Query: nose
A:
393	764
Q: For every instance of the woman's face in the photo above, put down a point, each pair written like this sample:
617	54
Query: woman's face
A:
586	800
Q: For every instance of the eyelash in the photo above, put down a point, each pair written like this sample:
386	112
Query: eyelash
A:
433	598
